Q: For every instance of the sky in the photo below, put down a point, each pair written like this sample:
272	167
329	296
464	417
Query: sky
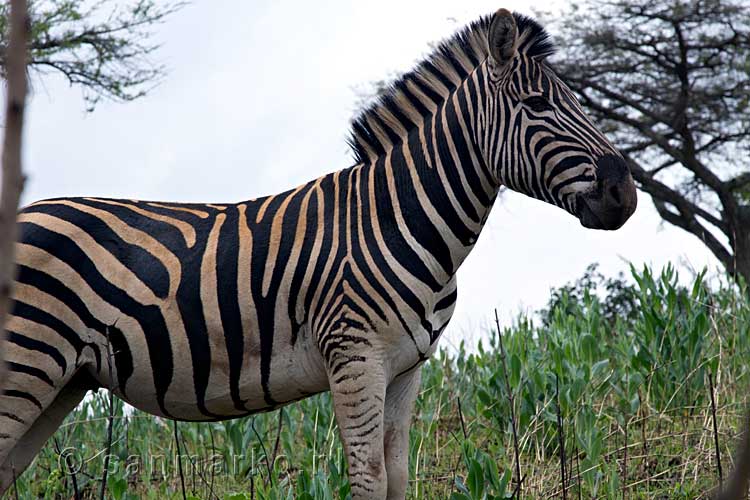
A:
258	99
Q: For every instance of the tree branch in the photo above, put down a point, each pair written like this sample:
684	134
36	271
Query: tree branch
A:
689	223
663	193
108	57
656	118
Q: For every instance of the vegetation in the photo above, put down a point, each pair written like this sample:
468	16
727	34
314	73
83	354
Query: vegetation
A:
617	298
668	82
645	406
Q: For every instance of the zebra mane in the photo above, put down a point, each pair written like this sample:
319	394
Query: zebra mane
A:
437	76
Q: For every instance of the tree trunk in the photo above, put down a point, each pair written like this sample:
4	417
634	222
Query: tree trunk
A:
12	178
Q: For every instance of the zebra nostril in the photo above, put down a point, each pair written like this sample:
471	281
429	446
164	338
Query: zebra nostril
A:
614	192
611	169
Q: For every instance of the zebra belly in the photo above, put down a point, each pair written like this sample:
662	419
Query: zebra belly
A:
295	372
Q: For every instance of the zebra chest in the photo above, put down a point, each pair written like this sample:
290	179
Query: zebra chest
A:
413	341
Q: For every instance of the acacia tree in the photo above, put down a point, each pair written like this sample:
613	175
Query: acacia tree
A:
670	83
103	47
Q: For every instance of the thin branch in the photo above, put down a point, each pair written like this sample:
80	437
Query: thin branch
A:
611	94
511	402
715	428
690	224
179	460
265	453
213	451
278	436
461	418
71	470
110	421
109	58
560	438
15	484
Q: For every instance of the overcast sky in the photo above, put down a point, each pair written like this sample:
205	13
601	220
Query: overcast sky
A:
258	99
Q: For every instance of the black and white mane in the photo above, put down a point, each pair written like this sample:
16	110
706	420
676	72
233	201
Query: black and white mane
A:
439	74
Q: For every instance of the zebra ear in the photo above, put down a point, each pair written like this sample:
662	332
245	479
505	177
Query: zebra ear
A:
501	37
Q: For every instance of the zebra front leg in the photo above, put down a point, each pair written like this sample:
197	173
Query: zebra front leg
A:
399	406
358	384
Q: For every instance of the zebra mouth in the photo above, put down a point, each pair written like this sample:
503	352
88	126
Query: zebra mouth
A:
597	212
587	216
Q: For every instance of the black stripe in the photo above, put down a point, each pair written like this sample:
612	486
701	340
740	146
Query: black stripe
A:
446	301
35	345
327	190
342	185
229	306
191	310
33	313
13	393
465	99
167	234
31	371
305	254
12	416
385	270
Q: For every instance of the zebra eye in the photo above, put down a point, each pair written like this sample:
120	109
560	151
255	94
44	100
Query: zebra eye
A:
537	104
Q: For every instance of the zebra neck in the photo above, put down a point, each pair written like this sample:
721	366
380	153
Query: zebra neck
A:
440	182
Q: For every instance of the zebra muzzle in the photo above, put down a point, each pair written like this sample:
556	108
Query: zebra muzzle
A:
613	200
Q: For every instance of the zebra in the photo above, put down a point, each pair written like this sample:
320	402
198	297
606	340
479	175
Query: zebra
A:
203	312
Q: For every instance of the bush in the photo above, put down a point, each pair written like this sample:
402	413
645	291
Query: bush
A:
612	387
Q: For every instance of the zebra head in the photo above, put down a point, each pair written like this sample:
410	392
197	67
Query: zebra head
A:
538	139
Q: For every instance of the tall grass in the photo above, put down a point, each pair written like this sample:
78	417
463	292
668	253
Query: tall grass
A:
622	405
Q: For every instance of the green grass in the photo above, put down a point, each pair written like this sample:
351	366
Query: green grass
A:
628	398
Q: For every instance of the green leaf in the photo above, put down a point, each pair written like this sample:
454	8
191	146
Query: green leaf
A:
475	479
599	368
515	371
459	483
236	496
117	487
502	489
635	403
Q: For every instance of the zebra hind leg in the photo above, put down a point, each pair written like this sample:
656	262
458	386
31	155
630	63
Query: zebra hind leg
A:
357	384
23	431
399	406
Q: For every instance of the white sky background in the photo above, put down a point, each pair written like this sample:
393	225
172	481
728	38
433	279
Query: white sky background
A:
258	99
